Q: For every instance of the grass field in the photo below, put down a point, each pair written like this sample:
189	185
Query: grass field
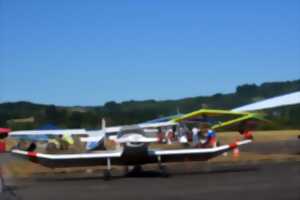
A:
261	136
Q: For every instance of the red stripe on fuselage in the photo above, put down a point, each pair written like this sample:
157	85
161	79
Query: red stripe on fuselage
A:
32	154
233	145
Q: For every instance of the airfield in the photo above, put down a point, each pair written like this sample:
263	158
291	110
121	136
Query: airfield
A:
267	169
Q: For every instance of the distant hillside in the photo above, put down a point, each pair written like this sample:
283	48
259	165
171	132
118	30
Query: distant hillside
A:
137	111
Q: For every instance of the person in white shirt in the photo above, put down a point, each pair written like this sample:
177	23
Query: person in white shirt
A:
196	139
182	134
169	135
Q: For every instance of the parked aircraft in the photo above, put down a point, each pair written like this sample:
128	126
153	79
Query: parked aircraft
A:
134	146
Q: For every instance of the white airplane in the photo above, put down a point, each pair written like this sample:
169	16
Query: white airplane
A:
134	145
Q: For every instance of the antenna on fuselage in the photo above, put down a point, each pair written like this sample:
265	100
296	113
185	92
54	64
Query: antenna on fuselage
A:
103	126
103	123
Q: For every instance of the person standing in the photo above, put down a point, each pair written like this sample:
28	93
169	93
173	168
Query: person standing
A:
1	181
169	135
196	140
211	137
3	134
182	134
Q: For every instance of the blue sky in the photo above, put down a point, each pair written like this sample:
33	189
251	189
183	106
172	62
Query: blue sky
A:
90	52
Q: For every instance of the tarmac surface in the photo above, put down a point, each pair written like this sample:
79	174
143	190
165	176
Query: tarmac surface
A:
199	180
291	146
248	181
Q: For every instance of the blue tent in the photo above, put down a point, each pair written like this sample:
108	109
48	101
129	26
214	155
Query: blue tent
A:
48	126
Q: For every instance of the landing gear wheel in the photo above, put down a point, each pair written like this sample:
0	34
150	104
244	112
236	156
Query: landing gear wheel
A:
106	175
137	169
126	170
164	171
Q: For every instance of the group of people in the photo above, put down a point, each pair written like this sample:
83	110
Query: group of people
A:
202	136
61	142
53	143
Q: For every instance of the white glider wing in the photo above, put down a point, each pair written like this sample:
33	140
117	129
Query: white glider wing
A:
283	100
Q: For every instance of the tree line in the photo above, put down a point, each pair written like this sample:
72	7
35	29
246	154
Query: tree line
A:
130	112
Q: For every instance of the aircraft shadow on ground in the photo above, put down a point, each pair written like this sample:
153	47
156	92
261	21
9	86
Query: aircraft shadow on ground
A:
149	174
9	193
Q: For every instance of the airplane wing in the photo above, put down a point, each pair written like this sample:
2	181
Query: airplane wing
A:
283	100
49	132
102	157
91	137
156	124
162	119
73	160
115	129
196	154
228	117
205	113
248	116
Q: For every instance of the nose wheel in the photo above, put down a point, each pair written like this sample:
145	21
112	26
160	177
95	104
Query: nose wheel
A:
133	170
106	175
107	171
162	168
137	169
164	171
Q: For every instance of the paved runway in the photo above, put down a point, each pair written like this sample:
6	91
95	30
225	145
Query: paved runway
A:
276	147
198	180
248	181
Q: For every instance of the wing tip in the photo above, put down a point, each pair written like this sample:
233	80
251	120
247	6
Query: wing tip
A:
29	154
233	145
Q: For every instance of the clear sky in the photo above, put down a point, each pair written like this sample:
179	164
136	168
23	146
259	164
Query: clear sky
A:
90	52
